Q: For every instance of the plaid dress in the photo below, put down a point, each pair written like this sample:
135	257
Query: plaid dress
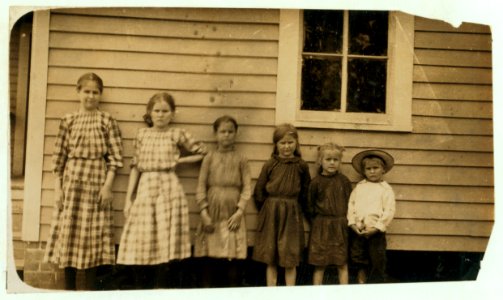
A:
88	144
157	228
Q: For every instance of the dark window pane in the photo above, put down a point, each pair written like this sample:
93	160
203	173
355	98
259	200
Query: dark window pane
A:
321	84
323	31
368	32
366	86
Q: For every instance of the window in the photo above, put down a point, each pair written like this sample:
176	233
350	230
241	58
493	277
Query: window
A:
345	69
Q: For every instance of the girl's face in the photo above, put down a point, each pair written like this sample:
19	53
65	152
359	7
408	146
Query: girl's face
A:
89	95
286	146
226	133
330	162
373	170
161	114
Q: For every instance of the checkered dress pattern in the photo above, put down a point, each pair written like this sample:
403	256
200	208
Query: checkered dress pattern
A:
157	228
87	145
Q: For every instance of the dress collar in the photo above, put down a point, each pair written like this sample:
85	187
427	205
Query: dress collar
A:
286	160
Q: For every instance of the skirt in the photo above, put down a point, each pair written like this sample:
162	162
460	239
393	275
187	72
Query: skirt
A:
280	233
328	241
81	234
222	243
157	228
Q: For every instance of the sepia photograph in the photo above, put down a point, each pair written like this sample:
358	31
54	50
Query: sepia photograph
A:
220	147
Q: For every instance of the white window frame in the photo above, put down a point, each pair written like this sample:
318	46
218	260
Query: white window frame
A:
398	116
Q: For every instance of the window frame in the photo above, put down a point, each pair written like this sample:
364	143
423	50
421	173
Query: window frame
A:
398	116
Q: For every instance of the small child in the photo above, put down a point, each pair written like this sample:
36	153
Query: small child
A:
371	209
280	191
223	191
327	209
157	219
87	152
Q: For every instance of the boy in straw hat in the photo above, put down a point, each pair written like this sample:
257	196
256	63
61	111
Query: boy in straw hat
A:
370	210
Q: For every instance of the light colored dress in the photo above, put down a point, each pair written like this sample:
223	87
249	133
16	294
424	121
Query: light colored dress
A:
157	228
87	145
224	186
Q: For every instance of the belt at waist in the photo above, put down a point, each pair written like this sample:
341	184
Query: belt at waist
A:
275	198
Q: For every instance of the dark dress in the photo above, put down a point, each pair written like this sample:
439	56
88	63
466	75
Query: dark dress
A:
327	208
280	191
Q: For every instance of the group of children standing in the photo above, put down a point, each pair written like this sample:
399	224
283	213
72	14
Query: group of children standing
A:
346	224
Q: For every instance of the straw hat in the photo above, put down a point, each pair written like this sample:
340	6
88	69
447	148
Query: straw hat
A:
385	156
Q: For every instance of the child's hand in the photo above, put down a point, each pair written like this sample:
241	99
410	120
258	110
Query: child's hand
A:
127	207
356	229
208	226
370	232
235	220
58	198
105	197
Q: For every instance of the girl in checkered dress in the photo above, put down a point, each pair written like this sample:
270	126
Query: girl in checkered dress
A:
87	152
157	213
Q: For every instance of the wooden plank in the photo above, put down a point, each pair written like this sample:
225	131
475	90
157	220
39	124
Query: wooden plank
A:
440	227
452	41
184	14
36	120
459	109
162	62
313	138
453	58
239	48
16	207
443	193
164	28
167	81
260	152
444	211
182	98
425	24
18	150
396	140
452	126
452	75
194	115
431	175
436	243
447	91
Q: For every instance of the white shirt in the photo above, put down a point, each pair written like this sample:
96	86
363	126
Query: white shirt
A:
371	204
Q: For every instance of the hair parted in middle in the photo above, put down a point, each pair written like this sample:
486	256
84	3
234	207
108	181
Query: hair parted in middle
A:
158	97
224	119
280	132
328	147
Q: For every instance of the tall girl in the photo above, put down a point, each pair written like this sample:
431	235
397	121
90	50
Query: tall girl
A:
157	214
327	209
223	192
280	191
87	152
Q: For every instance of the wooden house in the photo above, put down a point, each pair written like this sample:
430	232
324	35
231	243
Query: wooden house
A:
248	63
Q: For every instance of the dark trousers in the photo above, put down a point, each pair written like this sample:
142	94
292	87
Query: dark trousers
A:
370	254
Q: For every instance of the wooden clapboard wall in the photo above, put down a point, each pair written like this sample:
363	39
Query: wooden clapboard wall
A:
224	61
214	62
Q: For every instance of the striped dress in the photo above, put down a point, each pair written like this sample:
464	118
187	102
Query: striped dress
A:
88	144
157	227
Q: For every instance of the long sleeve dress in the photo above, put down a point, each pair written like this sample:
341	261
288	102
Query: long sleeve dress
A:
281	194
157	228
224	186
88	144
327	208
